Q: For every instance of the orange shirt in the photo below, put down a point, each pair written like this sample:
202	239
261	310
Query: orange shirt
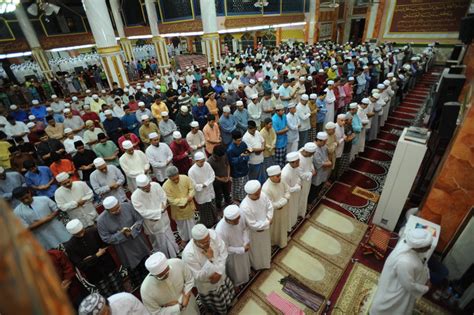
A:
64	166
211	134
212	106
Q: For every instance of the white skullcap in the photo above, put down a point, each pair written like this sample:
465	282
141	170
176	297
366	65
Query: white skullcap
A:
293	156
254	96
276	91
144	117
260	79
309	78
401	76
380	86
13	107
125	89
88	91
302	79
127	144
144	91
274	170
54	96
35	102
334	67
376	62
232	212
142	180
177	135
304	97
365	67
322	135
375	91
239	103
365	100
353	105
147	77
330	82
320	70
229	79
200	100
279	106
376	96
252	186
386	82
226	109
108	112
390	75
49	109
351	79
310	147
99	162
205	81
95	96
156	263
66	111
418	238
102	91
153	135
67	130
30	124
184	109
252	81
199	156
194	124
413	59
110	202
341	116
330	125
291	105
164	114
141	104
293	68
313	96
74	226
275	78
199	232
62	177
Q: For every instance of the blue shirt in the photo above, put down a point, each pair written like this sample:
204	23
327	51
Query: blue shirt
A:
322	110
239	165
279	123
20	115
284	92
200	114
242	120
227	125
39	112
130	122
43	177
356	127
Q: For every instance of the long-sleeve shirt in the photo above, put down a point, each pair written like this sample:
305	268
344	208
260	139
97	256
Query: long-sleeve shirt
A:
269	136
257	213
67	200
12	180
304	113
167	128
238	164
242	118
280	123
202	179
211	134
134	164
101	182
42	177
227	125
160	158
177	195
181	156
196	140
255	112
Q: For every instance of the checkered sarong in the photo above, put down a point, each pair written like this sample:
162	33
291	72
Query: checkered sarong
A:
312	134
110	285
344	164
280	156
207	214
220	300
238	192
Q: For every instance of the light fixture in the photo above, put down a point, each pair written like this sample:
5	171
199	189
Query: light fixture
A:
7	6
42	6
260	4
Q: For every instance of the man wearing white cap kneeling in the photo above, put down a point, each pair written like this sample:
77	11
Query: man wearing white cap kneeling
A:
235	234
279	194
257	209
307	171
168	287
291	176
133	163
206	256
150	201
405	275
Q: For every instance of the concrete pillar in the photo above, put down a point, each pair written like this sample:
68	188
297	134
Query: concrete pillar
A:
210	39
157	40
370	21
104	36
32	40
348	20
124	41
312	21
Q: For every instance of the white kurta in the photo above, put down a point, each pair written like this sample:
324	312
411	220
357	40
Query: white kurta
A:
304	113
330	101
362	113
235	238
152	207
279	194
133	165
202	178
66	199
157	293
196	139
202	268
340	140
258	214
255	141
291	176
306	174
160	158
255	112
402	281
124	303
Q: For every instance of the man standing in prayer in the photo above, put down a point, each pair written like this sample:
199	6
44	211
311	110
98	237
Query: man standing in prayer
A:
322	165
269	136
362	112
293	125
206	256
159	155
212	134
133	163
307	172
291	176
331	142
405	275
195	139
117	304
168	287
341	139
181	151
88	252
235	234
107	150
180	192
150	201
121	226
279	194
167	127
203	176
107	180
227	125
8	182
238	155
256	144
75	198
304	113
38	214
281	129
220	164
258	213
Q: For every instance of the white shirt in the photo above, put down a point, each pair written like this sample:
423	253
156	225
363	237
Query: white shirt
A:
340	139
255	112
235	237
255	141
257	213
152	207
124	303
16	130
196	139
304	113
134	164
69	144
66	200
202	178
306	167
160	158
292	122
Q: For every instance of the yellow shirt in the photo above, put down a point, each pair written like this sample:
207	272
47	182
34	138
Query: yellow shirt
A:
178	195
212	106
144	131
157	109
270	140
5	154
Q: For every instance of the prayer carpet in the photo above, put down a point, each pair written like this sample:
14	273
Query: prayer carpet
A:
398	122
354	178
250	303
388	136
366	166
343	193
381	145
366	194
373	154
401	115
406	110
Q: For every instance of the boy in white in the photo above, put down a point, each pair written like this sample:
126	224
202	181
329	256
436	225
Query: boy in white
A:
291	176
306	174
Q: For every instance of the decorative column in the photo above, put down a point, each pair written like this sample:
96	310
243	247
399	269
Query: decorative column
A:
348	20
278	36
124	41
33	42
210	38
104	36
312	21
157	40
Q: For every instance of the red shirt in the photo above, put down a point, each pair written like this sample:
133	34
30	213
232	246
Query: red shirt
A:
92	116
135	140
64	166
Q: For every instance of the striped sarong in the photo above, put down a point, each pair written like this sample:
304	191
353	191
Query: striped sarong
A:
238	192
219	301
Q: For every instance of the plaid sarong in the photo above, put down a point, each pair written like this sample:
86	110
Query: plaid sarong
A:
344	164
220	300
280	156
111	284
238	192
207	214
312	134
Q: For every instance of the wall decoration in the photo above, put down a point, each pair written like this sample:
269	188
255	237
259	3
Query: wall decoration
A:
325	31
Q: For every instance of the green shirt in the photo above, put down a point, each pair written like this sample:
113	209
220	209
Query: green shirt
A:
105	150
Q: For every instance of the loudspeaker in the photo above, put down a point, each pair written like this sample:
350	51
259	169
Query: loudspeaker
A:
448	119
466	33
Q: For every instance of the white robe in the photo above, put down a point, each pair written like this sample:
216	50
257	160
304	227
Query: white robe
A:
306	174
235	238
202	268
124	303
258	214
66	199
340	140
279	194
194	140
160	158
157	293
402	281
152	207
133	165
255	112
291	176
203	179
330	103
362	113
